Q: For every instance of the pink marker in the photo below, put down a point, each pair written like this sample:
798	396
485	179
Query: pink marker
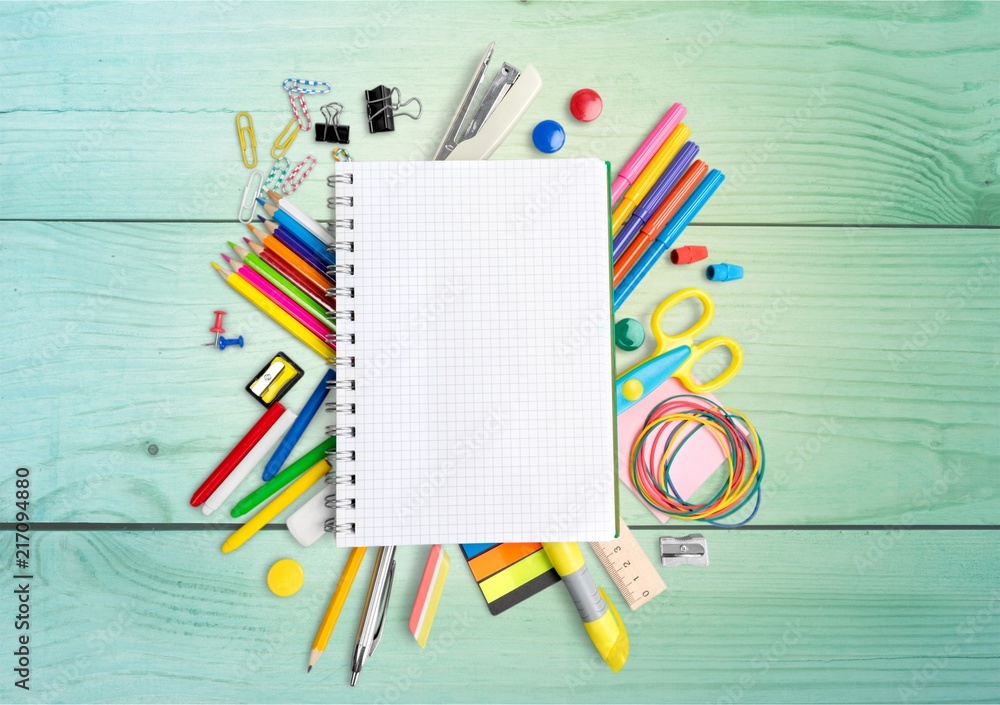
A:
647	149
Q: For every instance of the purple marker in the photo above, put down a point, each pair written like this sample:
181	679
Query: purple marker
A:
668	179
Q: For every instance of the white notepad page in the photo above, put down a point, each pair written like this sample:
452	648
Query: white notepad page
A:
484	405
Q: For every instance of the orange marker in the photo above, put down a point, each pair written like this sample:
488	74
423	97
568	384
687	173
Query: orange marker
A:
674	200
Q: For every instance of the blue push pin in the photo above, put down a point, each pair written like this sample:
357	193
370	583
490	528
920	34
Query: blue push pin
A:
226	342
548	136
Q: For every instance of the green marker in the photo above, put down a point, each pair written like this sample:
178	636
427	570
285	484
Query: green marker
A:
284	477
284	285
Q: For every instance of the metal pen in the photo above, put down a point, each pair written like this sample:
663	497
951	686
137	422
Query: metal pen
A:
376	604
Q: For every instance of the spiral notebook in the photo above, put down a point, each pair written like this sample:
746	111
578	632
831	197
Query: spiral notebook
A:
475	358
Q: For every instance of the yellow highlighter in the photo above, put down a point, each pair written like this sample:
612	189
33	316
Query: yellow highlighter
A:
276	506
600	618
644	182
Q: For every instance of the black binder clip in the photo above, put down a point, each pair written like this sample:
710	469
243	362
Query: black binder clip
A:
331	130
383	107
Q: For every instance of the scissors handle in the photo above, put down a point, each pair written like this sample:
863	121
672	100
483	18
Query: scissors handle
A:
666	342
683	373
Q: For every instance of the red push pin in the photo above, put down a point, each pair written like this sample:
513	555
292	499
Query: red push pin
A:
217	328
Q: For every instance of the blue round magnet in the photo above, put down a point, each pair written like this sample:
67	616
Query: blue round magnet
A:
548	136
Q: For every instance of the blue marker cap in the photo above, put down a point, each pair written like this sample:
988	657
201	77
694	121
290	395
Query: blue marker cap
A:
548	136
723	272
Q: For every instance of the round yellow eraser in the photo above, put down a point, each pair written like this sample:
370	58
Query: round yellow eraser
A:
285	577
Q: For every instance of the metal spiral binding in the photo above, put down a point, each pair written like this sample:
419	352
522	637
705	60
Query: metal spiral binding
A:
339	477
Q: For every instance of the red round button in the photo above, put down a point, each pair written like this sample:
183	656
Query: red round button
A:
586	105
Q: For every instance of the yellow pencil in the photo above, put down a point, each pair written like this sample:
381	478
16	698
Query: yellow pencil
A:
276	506
641	186
274	311
336	604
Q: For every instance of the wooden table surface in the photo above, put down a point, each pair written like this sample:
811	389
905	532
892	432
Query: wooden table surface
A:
860	141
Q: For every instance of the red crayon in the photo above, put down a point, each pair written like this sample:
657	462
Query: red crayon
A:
237	454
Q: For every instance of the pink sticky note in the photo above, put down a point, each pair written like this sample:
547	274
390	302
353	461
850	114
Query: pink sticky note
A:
695	462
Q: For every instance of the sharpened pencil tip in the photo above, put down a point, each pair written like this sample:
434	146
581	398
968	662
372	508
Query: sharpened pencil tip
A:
308	668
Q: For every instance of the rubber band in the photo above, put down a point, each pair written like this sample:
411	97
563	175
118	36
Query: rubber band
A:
669	425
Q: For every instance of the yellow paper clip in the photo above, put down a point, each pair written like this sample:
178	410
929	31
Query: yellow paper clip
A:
245	131
285	139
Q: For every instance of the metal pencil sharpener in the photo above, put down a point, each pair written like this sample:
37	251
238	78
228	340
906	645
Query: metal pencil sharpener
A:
684	550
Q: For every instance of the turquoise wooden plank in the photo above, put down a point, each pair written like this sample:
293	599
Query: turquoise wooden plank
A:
871	367
777	617
847	113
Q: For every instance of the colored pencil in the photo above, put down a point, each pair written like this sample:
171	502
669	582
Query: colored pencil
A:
317	295
272	486
295	246
317	345
337	601
285	203
283	285
317	276
666	210
274	294
276	506
304	237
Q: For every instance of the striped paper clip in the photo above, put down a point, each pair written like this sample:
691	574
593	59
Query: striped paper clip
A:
276	177
298	175
300	110
342	155
304	85
248	206
285	139
248	141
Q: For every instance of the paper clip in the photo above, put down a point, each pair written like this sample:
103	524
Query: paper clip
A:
383	106
285	139
276	177
248	207
342	155
246	131
298	175
331	130
300	110
304	85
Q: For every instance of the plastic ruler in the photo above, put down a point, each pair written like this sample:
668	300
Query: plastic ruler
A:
629	567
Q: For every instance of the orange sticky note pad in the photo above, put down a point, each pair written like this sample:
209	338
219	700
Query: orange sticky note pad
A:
429	594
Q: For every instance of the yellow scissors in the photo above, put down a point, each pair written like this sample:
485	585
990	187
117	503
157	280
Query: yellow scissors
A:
676	355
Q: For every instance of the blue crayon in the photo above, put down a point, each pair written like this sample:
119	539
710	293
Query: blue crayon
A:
284	449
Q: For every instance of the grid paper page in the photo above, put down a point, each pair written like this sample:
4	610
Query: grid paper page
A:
484	377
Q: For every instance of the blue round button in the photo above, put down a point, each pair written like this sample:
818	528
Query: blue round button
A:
548	136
